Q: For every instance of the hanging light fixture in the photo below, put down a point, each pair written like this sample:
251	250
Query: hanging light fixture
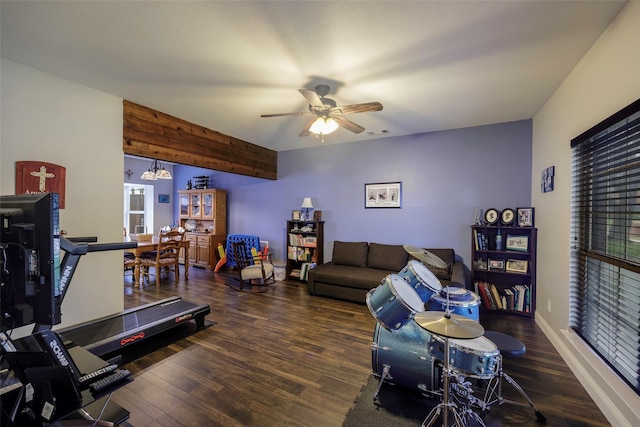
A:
323	126
156	171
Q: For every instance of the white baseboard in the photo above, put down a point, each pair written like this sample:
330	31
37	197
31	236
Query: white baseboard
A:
617	401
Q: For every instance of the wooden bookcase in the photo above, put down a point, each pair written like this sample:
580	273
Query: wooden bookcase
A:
510	271
305	241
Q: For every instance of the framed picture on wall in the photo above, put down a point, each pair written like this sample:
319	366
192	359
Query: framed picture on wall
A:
383	195
163	198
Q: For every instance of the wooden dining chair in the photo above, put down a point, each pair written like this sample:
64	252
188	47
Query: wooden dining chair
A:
166	257
253	270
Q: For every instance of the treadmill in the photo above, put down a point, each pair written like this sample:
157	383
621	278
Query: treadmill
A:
112	333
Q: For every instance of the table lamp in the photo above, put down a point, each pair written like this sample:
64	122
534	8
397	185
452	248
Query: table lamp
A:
308	207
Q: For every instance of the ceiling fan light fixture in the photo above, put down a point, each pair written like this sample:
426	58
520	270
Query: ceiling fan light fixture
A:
323	126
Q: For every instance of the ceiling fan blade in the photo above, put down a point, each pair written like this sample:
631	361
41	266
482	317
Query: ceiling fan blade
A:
312	97
348	124
305	113
305	131
357	108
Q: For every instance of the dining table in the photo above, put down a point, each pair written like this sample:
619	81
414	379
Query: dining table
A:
150	246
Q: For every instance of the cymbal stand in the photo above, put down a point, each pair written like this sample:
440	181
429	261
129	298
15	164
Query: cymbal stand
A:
445	406
495	383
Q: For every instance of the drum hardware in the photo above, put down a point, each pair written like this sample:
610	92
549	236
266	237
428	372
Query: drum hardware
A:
425	256
494	392
463	388
448	326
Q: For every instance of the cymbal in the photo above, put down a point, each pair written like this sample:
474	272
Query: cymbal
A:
425	256
451	325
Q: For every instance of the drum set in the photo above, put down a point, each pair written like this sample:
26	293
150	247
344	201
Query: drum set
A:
428	338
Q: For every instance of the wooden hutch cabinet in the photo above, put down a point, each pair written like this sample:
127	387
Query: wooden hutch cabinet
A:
203	213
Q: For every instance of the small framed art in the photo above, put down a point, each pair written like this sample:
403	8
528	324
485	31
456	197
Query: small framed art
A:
517	266
525	217
295	215
383	195
163	198
495	264
517	243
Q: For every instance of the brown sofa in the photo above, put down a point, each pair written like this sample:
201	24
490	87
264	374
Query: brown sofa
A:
357	267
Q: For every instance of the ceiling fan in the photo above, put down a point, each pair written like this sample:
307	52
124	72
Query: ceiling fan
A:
328	115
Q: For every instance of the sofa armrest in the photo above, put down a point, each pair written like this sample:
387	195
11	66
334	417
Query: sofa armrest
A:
311	278
458	275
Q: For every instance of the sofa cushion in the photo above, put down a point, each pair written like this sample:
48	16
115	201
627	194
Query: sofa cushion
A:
350	253
348	276
387	257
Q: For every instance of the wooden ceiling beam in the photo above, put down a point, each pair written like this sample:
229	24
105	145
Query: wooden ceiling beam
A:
153	134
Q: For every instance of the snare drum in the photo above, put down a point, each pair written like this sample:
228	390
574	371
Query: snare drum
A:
421	279
394	302
478	356
461	301
406	353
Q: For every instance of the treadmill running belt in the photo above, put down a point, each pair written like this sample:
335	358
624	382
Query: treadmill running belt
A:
110	333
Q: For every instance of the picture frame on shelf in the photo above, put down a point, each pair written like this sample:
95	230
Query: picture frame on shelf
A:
480	264
295	215
317	215
525	217
383	195
495	264
517	266
517	243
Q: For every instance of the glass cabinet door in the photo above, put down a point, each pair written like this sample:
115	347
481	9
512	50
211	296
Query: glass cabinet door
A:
207	205
195	206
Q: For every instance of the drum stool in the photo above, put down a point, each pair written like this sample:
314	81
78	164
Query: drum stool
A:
508	345
511	347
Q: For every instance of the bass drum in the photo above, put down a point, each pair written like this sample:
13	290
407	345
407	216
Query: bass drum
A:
406	353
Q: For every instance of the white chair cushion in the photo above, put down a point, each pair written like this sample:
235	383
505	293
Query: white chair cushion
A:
255	272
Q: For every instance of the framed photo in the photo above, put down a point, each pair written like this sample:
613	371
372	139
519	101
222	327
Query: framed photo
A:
163	198
495	264
517	266
295	215
479	264
317	215
525	217
517	243
383	195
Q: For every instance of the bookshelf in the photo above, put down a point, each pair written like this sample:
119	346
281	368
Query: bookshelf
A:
305	241
505	277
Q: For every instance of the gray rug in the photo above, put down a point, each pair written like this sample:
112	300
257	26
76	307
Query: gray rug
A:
399	407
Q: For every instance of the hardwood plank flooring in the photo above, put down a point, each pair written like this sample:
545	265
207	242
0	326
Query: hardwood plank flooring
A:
285	358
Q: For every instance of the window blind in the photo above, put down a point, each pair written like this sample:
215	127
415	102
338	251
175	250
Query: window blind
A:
605	249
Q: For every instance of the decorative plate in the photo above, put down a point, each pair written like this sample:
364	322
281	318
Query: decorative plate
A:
190	224
491	216
508	216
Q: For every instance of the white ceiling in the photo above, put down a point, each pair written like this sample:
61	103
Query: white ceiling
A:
434	65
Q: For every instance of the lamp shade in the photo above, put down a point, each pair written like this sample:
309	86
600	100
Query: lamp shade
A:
306	203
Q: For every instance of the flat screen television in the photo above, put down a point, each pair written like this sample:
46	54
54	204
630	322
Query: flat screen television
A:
29	260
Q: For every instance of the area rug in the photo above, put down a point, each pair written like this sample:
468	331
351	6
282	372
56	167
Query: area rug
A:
399	407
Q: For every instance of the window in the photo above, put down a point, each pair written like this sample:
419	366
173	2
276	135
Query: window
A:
138	208
605	251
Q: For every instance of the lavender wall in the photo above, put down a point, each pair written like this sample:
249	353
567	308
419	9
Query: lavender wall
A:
444	176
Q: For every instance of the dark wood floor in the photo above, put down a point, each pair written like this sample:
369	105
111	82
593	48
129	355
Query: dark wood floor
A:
284	358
